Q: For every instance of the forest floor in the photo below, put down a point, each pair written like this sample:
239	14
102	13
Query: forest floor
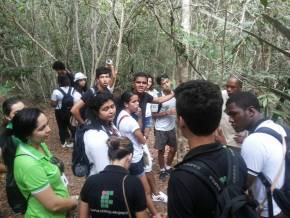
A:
75	183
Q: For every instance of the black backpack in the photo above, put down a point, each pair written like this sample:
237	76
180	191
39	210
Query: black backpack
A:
281	196
231	200
80	163
67	100
16	201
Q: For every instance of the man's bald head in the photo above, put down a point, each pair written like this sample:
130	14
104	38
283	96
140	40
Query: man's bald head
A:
234	85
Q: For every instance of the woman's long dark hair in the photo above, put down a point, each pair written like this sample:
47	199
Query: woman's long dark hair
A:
63	80
152	81
79	88
24	123
124	98
94	107
7	107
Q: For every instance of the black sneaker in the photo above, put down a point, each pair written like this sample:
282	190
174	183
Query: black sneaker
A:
162	175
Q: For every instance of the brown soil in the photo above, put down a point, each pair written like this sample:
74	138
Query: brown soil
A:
75	183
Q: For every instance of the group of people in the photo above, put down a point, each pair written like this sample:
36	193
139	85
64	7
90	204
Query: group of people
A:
120	181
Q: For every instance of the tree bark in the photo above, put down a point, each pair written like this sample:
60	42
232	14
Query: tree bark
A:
76	9
119	44
186	26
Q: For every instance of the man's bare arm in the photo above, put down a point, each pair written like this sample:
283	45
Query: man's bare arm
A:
75	111
161	99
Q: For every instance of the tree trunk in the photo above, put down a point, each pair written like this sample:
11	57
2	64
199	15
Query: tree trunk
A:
186	26
76	9
93	40
121	32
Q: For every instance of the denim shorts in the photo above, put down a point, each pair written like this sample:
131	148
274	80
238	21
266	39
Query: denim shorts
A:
137	169
148	122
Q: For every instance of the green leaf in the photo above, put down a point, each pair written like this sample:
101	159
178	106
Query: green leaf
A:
264	3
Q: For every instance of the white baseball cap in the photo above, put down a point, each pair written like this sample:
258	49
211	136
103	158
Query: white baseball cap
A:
79	76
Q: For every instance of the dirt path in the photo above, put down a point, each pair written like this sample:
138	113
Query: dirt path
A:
75	183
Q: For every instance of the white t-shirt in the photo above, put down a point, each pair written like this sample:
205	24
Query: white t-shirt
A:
96	149
264	153
127	127
77	96
58	96
165	123
154	93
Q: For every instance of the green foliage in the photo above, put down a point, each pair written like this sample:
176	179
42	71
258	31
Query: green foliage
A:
214	48
264	3
5	88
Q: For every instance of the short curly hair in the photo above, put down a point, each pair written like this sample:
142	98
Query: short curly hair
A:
58	65
199	103
244	100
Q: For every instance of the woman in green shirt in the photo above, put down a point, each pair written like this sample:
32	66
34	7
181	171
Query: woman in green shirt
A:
36	173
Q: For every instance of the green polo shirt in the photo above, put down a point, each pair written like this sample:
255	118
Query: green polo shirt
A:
33	173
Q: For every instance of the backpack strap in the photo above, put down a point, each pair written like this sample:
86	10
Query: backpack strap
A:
196	152
266	182
121	120
270	132
202	171
125	197
69	92
62	91
233	167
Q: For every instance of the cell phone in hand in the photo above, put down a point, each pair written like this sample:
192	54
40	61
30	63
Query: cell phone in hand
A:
109	62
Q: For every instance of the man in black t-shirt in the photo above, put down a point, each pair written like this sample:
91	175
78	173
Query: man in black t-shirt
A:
140	81
199	108
104	195
61	70
102	84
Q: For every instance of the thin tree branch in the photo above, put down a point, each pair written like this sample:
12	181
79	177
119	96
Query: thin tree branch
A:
32	38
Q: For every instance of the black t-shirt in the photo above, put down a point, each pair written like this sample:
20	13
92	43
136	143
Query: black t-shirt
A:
90	93
188	196
143	100
87	97
71	78
103	192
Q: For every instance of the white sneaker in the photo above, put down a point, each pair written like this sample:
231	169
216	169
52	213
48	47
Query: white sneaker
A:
160	197
69	145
